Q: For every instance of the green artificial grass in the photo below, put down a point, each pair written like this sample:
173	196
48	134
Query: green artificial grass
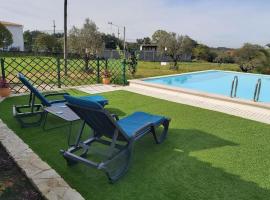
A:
207	155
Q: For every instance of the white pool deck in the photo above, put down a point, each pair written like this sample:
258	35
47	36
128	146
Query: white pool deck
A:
232	108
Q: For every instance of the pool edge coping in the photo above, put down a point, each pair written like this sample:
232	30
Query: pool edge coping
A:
44	178
197	93
195	72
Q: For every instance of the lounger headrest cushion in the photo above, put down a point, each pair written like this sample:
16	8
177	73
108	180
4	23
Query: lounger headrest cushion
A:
82	102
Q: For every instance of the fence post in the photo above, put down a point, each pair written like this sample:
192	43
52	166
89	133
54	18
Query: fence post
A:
106	64
124	72
98	70
58	72
3	68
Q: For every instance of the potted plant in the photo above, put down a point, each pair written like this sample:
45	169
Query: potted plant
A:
4	88
106	77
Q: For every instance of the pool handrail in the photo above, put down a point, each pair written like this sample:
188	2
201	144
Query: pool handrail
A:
234	87
257	91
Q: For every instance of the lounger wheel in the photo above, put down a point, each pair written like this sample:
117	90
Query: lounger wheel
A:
163	135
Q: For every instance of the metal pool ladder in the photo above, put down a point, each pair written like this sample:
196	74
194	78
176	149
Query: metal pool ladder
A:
257	90
234	87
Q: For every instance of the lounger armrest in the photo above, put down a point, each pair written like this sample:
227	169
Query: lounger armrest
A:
115	116
56	94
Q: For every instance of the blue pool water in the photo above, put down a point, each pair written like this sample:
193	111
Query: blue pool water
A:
219	82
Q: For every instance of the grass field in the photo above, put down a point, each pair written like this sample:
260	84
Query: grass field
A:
149	69
207	155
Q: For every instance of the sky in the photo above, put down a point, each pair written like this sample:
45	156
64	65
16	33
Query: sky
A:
217	23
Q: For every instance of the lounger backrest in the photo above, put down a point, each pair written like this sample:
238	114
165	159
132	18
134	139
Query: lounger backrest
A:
32	89
95	116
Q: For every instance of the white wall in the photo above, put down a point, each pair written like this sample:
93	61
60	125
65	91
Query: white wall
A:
17	36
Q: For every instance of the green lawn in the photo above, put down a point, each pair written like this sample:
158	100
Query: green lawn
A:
207	155
148	69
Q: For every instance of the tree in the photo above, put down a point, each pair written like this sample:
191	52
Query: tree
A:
111	42
86	40
157	35
224	57
132	46
46	43
175	46
145	40
5	37
202	52
252	56
29	39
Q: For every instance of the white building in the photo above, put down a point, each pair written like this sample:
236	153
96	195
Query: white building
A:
17	34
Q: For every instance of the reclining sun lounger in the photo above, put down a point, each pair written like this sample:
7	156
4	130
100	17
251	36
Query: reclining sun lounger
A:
118	135
25	112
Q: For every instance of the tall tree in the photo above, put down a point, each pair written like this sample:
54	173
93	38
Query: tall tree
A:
5	37
111	42
175	46
46	43
252	56
202	52
86	40
157	35
29	39
145	40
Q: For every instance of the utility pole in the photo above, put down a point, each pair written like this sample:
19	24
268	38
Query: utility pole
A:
124	46
125	42
118	33
54	27
65	36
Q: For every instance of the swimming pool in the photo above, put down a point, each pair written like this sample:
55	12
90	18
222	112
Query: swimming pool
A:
219	82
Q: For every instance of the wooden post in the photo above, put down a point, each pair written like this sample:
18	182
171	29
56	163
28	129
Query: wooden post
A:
98	70
65	36
124	72
3	68
58	72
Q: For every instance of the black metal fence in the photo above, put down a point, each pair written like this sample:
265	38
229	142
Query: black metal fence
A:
152	56
50	72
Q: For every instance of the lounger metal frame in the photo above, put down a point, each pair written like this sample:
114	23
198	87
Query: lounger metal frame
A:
112	143
34	110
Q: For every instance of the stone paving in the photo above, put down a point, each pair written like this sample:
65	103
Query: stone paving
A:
98	88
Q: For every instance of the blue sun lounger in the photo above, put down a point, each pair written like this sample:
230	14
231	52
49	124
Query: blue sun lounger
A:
25	112
118	134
